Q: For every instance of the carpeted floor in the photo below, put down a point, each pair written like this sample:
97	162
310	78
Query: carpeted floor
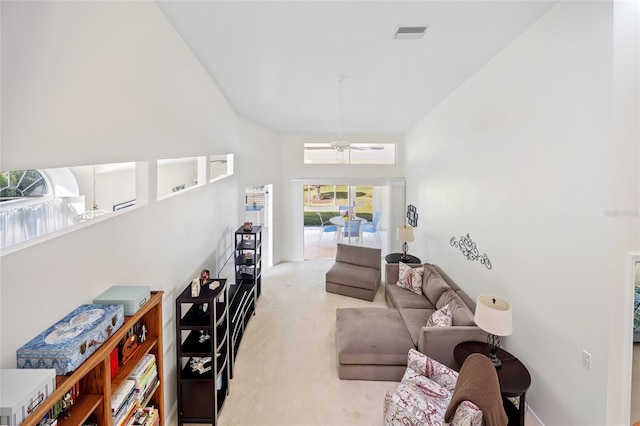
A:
286	370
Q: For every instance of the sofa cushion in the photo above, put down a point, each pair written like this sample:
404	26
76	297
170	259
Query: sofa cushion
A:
359	255
373	336
410	278
433	285
353	275
460	312
403	298
414	320
440	318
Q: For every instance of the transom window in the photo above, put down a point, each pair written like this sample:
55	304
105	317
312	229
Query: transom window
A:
342	152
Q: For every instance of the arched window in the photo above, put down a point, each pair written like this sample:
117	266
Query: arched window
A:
22	183
36	202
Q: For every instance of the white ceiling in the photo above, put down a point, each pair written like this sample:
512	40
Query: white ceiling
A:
277	62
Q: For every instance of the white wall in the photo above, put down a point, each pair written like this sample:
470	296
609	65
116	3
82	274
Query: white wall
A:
102	82
294	169
523	158
258	165
625	172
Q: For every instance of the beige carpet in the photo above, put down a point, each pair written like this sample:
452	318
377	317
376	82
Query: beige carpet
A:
286	370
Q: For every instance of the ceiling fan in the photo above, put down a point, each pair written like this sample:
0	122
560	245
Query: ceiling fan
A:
340	145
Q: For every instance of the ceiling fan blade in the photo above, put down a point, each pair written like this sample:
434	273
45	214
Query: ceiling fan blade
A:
367	148
314	148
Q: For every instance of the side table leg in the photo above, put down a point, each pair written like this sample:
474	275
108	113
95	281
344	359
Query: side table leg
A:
521	408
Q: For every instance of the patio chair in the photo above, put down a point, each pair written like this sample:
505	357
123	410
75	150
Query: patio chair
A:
326	228
372	227
352	230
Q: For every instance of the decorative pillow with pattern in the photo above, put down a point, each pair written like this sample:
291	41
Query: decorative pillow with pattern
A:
460	312
429	367
409	404
410	278
441	318
427	386
467	414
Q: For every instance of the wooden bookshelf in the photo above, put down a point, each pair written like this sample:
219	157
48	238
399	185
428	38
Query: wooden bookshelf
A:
96	385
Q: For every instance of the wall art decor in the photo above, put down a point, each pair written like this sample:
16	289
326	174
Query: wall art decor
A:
470	250
412	215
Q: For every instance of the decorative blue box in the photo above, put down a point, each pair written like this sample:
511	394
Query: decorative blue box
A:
73	339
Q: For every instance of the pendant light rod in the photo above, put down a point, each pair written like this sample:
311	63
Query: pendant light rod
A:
340	107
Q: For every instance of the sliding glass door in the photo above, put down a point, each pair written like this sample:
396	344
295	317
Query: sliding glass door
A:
324	204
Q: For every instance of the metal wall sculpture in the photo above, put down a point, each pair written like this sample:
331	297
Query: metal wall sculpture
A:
412	215
470	250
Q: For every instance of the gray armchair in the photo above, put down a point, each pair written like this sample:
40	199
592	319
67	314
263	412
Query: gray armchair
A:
356	272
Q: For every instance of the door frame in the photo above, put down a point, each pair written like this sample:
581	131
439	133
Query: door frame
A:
627	361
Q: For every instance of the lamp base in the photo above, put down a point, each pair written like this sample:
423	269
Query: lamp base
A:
404	256
493	342
495	360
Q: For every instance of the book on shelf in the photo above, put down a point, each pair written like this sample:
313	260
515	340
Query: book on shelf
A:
123	403
121	395
143	365
149	392
148	375
144	392
153	417
128	409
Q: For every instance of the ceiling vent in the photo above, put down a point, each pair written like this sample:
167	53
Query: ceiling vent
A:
410	32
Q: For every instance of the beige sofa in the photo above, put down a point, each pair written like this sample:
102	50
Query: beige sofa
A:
437	290
373	343
356	272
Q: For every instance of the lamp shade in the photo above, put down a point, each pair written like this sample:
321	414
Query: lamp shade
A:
493	315
404	234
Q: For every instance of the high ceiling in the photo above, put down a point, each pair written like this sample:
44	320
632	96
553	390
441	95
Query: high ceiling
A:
278	62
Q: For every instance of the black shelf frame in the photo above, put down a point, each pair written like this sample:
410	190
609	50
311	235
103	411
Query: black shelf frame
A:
206	313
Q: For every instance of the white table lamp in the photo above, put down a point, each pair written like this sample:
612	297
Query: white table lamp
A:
493	315
404	234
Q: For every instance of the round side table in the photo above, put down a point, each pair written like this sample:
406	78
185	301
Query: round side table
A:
513	376
395	258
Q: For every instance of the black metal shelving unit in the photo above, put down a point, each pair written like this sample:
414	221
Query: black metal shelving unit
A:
203	362
246	290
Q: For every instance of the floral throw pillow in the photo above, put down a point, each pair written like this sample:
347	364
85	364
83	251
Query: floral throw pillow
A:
441	318
410	278
429	367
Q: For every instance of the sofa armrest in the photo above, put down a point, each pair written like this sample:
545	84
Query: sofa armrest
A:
438	342
391	270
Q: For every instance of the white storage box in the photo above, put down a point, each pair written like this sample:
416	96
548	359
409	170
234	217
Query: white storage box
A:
133	297
22	391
